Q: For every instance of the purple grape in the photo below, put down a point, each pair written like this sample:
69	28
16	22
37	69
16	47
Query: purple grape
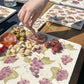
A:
38	50
66	59
62	75
36	65
10	60
45	81
5	72
75	2
23	82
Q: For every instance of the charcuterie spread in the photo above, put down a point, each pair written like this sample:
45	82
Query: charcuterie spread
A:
26	59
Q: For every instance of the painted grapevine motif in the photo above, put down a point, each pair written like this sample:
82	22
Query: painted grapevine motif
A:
5	12
74	3
64	15
41	68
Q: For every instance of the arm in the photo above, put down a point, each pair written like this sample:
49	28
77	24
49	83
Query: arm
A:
31	11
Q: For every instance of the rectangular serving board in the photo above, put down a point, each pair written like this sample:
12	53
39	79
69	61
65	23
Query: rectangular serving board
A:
5	13
53	64
64	15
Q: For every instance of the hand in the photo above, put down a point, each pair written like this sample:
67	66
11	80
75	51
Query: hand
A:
31	11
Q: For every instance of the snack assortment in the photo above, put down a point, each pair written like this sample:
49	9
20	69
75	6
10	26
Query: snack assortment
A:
65	15
26	62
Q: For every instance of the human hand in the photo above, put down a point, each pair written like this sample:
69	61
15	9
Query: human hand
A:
31	11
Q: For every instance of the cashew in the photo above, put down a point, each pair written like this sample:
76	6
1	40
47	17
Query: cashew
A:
21	50
33	49
21	42
17	49
13	50
33	44
27	52
10	47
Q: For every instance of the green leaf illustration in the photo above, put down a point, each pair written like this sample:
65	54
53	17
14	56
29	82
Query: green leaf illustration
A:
70	47
46	60
44	49
27	60
4	58
54	70
13	75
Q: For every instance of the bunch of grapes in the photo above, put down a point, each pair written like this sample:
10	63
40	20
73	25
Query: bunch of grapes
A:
62	75
56	46
23	82
10	60
36	65
5	72
45	81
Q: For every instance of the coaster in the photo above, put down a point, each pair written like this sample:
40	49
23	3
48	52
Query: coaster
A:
74	3
64	15
5	13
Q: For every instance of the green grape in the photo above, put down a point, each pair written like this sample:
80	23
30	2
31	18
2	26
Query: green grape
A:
13	31
22	38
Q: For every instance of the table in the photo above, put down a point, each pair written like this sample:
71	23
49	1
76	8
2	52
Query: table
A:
60	31
69	34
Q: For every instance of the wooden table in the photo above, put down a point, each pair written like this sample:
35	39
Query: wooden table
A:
69	34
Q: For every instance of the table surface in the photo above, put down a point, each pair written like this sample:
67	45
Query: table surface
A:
60	31
69	34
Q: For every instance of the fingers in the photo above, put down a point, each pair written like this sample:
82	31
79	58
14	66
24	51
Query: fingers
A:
34	17
24	15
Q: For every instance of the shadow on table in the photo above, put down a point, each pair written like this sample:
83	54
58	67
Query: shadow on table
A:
67	33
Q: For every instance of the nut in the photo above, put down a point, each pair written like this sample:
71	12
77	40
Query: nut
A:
10	47
21	50
13	50
27	52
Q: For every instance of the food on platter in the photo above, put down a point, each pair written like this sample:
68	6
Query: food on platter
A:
29	62
2	48
19	32
56	46
39	40
8	39
23	48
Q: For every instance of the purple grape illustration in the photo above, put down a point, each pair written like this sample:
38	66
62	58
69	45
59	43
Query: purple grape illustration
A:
36	65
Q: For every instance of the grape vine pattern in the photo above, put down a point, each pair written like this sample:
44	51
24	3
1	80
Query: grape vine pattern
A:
35	66
9	60
24	82
62	75
5	72
45	81
66	59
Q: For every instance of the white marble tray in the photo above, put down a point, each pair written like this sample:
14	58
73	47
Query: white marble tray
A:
64	15
5	13
57	68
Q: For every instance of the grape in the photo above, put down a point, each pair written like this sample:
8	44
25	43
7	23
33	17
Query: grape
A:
10	60
62	75
36	65
5	72
45	81
23	82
